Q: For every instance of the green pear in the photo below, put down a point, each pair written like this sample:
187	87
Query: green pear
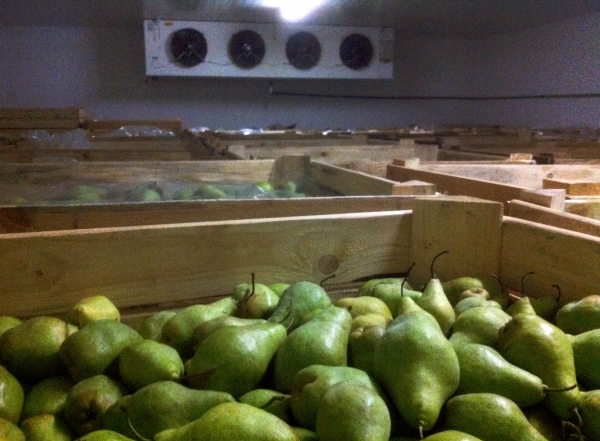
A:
95	348
11	396
586	352
579	316
210	191
545	422
232	421
546	306
206	328
185	194
323	339
178	331
272	401
536	345
265	185
30	350
46	427
451	435
362	305
47	396
104	435
88	400
455	287
311	382
521	306
88	193
416	365
305	434
475	292
474	301
368	320
590	414
490	417
389	290
90	309
145	192
351	411
478	325
147	361
7	322
160	406
10	431
483	369
254	300
279	287
151	327
235	359
436	303
297	302
361	347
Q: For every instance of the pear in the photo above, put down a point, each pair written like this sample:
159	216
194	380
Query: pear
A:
435	302
278	287
579	316
357	306
30	350
350	411
254	300
90	309
521	306
151	327
478	325
47	396
323	339
147	361
272	401
310	384
297	302
145	192
546	306
456	286
95	348
305	434
10	431
160	406
590	414
178	331
490	417
204	329
7	322
451	435
416	365
475	292
104	435
11	396
235	359
536	345
586	352
389	290
368	320
232	421
483	369
210	191
545	422
88	400
45	427
473	301
361	346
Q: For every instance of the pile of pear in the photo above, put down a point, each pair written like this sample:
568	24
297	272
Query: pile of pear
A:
458	360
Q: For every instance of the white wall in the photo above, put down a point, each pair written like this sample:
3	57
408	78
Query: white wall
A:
102	70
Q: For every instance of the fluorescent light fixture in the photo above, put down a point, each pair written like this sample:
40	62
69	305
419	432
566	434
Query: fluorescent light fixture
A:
293	10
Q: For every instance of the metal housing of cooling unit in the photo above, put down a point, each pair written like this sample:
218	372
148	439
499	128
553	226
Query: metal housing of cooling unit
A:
261	50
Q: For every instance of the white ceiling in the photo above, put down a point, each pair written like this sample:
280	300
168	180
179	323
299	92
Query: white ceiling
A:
449	18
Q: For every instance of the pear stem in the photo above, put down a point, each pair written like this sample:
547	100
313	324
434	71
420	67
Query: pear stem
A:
406	274
135	432
563	389
572	428
559	291
523	281
433	276
326	279
497	279
273	400
421	429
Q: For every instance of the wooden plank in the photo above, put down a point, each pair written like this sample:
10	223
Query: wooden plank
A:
50	118
553	217
583	207
574	187
26	155
109	125
350	182
457	185
14	219
470	229
136	143
551	198
558	256
47	272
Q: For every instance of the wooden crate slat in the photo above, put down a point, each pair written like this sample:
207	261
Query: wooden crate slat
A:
574	187
28	155
350	182
51	118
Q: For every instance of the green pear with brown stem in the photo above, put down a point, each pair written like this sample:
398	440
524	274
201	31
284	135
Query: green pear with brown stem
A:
586	352
254	300
579	316
416	365
546	306
274	402
204	329
297	304
435	302
536	345
521	306
478	325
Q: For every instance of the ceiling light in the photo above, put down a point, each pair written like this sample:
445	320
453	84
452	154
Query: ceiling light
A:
293	10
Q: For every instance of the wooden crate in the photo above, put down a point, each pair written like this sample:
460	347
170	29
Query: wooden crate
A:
343	191
146	268
34	118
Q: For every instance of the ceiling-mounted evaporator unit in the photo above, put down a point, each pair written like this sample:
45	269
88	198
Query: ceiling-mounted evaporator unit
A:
259	50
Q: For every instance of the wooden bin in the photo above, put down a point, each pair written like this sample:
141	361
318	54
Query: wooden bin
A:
346	191
146	268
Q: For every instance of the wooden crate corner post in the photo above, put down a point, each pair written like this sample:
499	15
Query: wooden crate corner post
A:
469	228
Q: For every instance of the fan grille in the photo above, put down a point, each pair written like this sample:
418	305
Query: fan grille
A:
356	51
303	50
188	47
246	49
